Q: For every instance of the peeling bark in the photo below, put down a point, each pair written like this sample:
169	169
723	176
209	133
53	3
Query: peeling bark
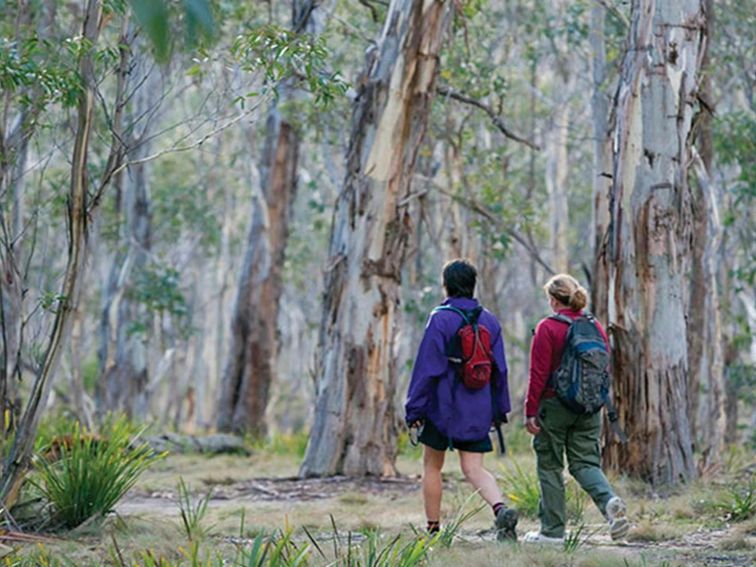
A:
705	338
250	369
649	238
354	432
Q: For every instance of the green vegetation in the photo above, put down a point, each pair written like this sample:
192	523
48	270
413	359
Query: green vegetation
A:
193	513
84	475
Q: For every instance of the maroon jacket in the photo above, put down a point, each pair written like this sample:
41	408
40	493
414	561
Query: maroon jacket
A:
545	355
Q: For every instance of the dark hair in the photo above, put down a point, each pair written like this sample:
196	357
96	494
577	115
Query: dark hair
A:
459	278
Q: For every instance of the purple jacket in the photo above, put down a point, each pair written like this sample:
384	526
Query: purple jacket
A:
437	394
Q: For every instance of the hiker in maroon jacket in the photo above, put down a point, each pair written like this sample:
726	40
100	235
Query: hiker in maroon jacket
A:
558	429
451	412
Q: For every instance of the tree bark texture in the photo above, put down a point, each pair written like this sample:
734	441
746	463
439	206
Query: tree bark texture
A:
251	366
354	430
602	160
705	338
649	238
705	335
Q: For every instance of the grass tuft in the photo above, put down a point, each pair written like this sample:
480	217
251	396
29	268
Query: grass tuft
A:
522	489
193	513
90	473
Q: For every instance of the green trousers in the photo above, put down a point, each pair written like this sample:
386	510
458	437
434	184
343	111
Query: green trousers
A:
563	431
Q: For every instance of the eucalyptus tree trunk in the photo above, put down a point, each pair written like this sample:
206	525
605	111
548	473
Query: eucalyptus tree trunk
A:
557	169
14	150
602	160
78	215
354	431
123	328
250	369
705	338
649	240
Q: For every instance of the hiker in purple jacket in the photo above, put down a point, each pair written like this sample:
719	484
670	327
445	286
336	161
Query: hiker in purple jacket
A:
447	413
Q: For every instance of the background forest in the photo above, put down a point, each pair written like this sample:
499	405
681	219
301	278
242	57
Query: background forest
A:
209	221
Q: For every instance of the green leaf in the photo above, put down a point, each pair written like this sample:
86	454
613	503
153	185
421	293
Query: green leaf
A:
199	21
152	15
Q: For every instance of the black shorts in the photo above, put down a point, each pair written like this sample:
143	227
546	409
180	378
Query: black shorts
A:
434	439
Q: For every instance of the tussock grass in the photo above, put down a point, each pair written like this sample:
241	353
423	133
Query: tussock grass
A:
92	473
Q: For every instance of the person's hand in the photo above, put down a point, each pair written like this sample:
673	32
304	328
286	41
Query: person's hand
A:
531	424
415	424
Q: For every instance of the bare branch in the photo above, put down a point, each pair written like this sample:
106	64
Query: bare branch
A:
616	11
489	215
193	145
495	118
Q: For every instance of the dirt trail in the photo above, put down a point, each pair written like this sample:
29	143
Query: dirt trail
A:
704	546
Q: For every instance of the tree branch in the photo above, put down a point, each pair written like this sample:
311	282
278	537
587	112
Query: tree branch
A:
489	215
495	118
616	11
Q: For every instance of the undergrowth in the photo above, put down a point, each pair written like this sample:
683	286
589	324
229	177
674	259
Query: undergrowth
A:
84	475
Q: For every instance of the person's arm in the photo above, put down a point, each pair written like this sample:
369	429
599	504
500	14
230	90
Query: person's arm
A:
501	387
540	368
430	364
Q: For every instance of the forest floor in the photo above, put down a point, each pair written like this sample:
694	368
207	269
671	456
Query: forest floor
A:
255	494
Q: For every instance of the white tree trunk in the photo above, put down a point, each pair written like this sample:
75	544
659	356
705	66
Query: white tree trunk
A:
355	423
602	160
706	323
649	239
557	168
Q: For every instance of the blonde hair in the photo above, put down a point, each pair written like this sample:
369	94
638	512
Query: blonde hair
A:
568	291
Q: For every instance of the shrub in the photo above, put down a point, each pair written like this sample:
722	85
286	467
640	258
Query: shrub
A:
91	473
739	502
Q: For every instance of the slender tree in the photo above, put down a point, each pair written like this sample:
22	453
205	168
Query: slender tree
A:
705	339
649	237
354	431
122	353
602	158
81	206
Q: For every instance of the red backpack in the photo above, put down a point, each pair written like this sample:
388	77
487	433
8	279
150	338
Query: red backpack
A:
471	348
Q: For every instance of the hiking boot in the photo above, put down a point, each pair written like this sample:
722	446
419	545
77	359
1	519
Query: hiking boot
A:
616	513
505	523
538	537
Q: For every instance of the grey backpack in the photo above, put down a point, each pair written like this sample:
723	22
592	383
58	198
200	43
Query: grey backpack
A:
582	379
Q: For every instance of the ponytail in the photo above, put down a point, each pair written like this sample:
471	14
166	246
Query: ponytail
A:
567	291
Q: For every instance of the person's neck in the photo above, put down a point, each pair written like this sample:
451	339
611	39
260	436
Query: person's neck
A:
557	306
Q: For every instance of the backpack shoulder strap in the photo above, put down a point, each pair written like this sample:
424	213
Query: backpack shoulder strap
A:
469	317
562	318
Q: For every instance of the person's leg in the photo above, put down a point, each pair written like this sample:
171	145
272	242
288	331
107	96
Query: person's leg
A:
482	480
584	459
505	519
554	420
433	462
